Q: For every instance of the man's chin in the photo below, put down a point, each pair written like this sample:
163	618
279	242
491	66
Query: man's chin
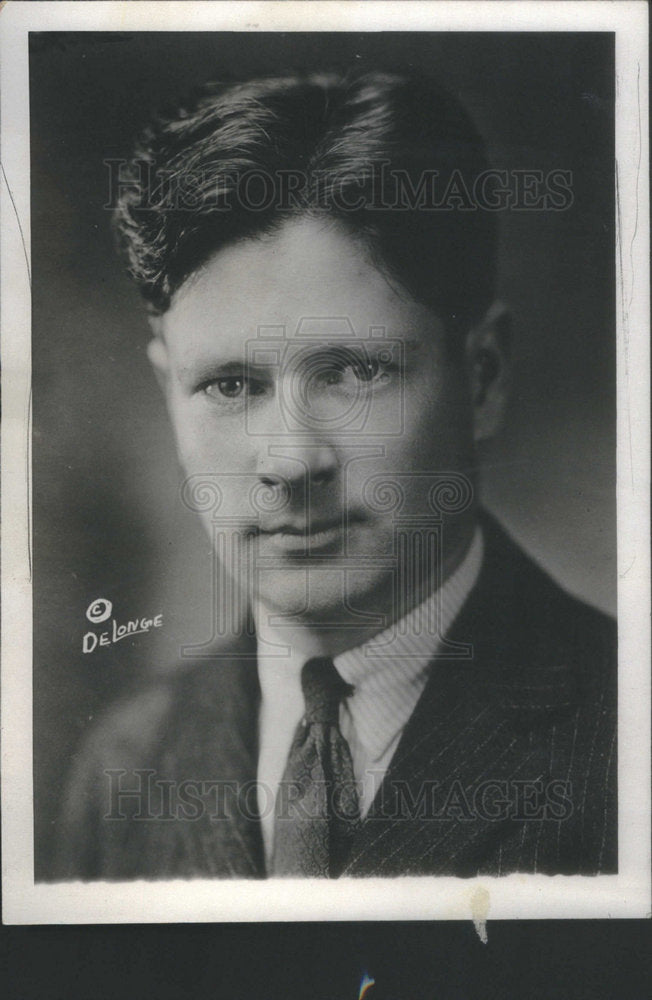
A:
320	599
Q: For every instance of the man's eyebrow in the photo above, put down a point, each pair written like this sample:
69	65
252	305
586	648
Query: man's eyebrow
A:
270	355
202	369
349	346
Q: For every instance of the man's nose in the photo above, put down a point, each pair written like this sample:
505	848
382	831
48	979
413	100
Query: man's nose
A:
296	463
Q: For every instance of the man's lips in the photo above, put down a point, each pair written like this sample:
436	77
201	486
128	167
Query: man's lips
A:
299	536
301	528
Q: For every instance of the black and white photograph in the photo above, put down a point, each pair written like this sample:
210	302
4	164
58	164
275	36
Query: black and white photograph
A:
336	535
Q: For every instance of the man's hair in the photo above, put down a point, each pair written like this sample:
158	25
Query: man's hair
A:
372	151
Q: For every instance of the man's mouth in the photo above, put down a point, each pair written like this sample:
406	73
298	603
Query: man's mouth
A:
308	538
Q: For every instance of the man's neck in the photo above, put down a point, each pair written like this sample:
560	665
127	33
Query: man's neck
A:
314	640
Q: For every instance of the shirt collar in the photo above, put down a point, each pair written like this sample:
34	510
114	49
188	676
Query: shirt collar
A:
389	671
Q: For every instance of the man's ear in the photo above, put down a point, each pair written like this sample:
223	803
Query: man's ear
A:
157	353
488	349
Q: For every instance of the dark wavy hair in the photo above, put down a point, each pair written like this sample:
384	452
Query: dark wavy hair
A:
238	160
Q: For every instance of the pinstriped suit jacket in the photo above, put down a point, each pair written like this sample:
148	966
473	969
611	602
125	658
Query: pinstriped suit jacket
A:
508	763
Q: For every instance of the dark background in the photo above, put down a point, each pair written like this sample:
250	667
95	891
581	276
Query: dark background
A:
108	521
554	960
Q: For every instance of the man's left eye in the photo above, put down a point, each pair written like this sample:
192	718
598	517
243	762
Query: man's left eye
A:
366	370
344	370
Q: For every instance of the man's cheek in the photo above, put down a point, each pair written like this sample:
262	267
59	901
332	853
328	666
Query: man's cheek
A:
201	446
194	453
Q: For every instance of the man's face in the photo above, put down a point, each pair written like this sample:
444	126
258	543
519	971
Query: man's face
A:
323	403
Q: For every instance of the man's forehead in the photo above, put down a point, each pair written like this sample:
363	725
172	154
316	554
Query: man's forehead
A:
272	349
306	282
230	335
270	344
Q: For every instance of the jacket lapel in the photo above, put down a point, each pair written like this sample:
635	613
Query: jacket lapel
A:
213	761
479	723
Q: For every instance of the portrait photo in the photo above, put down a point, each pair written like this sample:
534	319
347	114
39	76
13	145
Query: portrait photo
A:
327	493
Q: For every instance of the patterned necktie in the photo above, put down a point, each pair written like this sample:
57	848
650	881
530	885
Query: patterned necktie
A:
317	808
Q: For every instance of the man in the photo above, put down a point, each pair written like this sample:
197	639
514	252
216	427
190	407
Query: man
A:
414	695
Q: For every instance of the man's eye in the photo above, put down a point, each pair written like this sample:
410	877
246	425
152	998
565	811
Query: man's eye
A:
366	370
229	387
233	387
349	368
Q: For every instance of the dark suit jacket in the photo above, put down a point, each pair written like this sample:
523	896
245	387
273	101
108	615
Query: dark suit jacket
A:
508	763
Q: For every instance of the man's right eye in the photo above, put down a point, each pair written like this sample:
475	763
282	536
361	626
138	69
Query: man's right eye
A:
230	387
233	387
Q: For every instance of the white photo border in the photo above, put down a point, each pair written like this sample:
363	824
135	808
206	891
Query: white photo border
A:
518	896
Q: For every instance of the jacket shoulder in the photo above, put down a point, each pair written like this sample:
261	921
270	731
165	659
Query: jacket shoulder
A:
527	611
132	730
133	736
